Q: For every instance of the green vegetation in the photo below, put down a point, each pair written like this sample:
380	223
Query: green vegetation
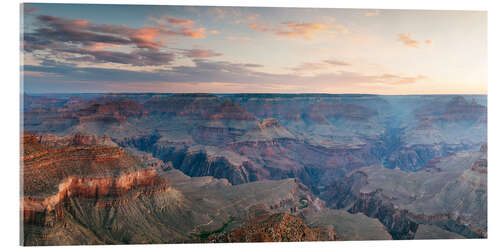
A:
204	235
303	202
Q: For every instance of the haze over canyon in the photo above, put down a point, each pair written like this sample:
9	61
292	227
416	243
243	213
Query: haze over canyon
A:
175	168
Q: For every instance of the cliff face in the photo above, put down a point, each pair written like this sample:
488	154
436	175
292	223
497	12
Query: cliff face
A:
182	105
75	185
77	139
56	170
95	116
79	191
265	158
229	111
112	111
456	109
450	195
47	160
202	163
317	108
105	191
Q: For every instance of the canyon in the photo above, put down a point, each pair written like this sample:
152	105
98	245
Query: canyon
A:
106	168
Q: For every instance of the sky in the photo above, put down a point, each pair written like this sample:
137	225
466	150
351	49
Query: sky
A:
70	48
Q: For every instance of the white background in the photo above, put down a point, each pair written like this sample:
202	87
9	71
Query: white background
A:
10	122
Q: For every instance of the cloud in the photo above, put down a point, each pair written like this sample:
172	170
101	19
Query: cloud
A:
145	37
194	32
28	10
246	18
200	53
79	40
373	13
136	57
261	27
202	71
83	32
238	15
100	46
407	40
176	26
337	63
206	71
397	80
78	31
300	30
39	74
172	20
239	38
313	66
65	48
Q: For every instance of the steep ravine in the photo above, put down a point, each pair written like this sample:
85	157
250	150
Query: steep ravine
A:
390	150
249	161
350	194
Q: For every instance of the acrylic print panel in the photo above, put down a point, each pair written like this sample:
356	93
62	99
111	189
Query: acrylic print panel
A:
172	124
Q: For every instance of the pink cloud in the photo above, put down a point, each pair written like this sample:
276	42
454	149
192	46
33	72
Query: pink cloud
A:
239	38
172	26
172	20
146	37
201	53
407	40
79	40
337	63
28	10
194	32
100	46
396	79
325	64
88	33
300	30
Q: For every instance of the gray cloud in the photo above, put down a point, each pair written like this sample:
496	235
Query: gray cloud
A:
200	53
205	71
78	40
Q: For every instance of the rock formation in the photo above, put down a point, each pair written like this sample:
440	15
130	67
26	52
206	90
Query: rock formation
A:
400	166
281	227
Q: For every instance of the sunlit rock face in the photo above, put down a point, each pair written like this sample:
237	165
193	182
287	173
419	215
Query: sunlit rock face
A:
83	189
405	166
49	159
58	169
105	191
279	227
451	195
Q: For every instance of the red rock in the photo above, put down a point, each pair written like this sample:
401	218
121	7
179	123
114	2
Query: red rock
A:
138	182
280	227
230	111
